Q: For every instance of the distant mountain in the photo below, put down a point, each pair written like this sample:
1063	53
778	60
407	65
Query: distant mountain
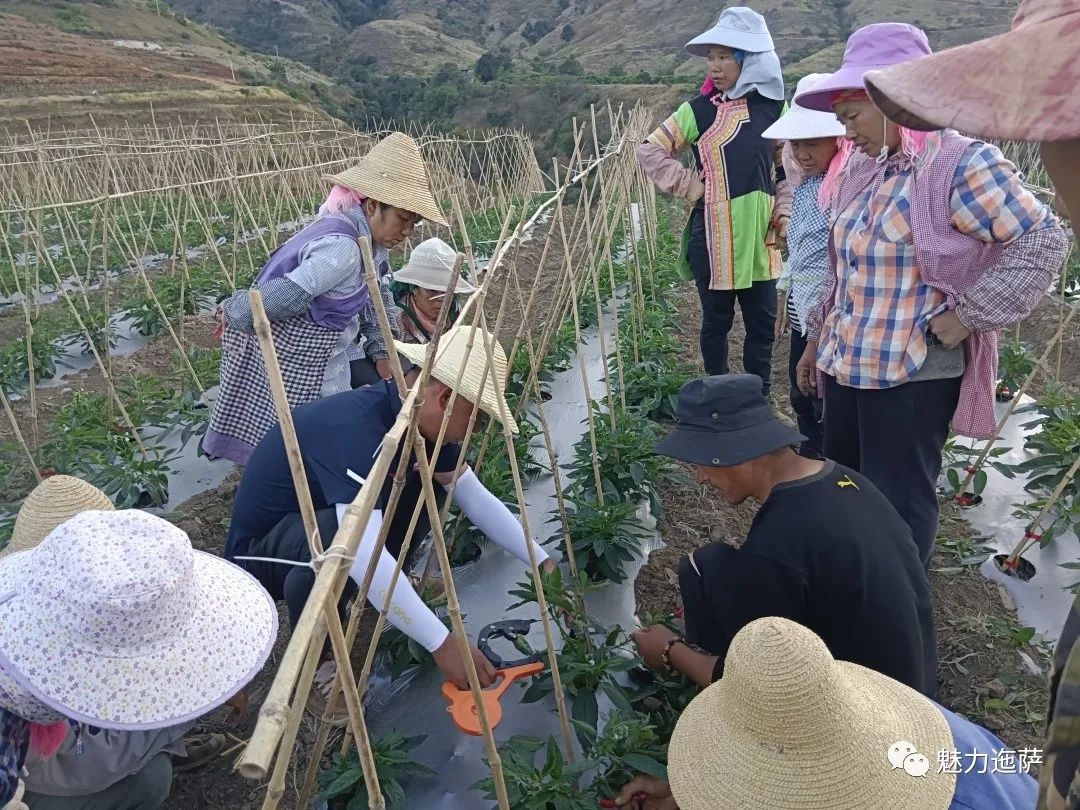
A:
340	36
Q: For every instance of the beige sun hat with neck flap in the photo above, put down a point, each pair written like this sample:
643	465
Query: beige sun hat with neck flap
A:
430	266
456	356
55	500
790	727
393	172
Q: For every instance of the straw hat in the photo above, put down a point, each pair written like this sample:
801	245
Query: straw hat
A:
738	27
789	727
393	172
454	352
430	266
52	502
114	620
872	47
1033	99
799	123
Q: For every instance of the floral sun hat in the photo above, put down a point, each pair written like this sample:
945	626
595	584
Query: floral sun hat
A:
114	620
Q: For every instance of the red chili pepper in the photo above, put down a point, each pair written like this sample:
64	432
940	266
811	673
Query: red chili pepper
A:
638	799
48	472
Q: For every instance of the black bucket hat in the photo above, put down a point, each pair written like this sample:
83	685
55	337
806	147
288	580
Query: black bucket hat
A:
724	421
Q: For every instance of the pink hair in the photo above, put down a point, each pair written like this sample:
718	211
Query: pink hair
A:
831	184
45	740
340	199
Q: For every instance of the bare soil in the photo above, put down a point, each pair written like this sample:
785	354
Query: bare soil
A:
978	658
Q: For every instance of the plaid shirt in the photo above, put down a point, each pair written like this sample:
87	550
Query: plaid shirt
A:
14	738
874	335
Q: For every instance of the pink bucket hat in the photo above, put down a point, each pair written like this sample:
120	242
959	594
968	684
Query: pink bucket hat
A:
870	48
114	620
1034	99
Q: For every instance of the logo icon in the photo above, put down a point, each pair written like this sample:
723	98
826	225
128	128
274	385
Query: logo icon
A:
847	482
903	755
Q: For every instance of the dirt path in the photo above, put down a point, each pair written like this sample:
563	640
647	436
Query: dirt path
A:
979	639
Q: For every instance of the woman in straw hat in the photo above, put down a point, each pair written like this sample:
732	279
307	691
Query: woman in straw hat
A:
341	436
1035	100
937	245
89	634
814	153
788	727
315	297
729	243
416	294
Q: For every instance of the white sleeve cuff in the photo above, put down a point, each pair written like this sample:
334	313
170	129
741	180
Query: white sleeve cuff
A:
491	516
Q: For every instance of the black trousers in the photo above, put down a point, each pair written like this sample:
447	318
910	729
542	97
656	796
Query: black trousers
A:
807	409
894	436
288	541
758	305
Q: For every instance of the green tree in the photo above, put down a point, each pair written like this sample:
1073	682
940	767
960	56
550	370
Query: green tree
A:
567	32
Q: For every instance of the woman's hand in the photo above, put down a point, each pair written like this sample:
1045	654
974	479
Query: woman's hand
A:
781	314
781	228
696	190
646	793
651	643
948	329
806	370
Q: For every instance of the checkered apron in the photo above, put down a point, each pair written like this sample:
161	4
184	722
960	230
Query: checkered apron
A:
244	409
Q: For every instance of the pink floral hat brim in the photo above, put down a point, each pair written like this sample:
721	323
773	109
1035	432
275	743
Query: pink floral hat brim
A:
206	658
1034	100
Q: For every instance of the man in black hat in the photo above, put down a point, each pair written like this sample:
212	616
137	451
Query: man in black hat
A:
826	548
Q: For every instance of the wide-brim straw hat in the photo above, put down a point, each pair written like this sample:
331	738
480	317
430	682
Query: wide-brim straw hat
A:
394	173
430	266
52	502
872	47
790	727
462	351
1031	96
114	620
739	28
800	123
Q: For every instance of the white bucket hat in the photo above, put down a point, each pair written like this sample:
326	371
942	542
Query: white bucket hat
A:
454	352
430	266
393	172
738	27
800	124
114	620
789	726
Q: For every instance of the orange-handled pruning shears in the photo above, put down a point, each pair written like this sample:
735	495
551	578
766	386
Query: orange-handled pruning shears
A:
462	706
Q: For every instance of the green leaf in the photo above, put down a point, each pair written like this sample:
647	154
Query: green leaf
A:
343	782
980	482
645	765
585	711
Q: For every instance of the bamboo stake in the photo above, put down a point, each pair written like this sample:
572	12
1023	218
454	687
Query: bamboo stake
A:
19	436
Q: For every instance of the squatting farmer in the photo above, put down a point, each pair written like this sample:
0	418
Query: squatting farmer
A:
315	297
339	437
729	243
825	549
99	680
792	726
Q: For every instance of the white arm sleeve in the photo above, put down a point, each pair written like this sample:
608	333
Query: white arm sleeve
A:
408	613
491	516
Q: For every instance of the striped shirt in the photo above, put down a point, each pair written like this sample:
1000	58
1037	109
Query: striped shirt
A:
874	334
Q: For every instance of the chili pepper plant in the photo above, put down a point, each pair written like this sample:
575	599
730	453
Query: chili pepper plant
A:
343	783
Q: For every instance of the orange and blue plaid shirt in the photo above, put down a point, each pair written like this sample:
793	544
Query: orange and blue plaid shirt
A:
874	335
